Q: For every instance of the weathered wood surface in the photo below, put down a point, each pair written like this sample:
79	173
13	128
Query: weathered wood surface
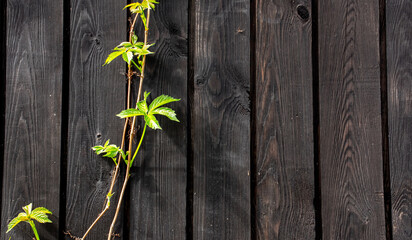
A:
399	77
192	180
284	121
96	96
3	61
350	120
221	119
33	113
157	207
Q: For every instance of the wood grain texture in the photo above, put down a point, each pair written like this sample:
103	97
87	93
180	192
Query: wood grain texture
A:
3	38
157	205
399	68
33	113
350	120
221	120
97	94
284	121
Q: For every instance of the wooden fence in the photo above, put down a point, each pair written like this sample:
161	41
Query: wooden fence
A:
296	119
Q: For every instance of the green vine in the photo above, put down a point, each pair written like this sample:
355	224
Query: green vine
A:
134	54
39	214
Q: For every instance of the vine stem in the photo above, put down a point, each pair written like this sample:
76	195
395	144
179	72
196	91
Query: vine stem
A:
119	203
106	205
34	229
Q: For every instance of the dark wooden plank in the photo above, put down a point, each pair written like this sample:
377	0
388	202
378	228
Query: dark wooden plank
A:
350	120
399	70
158	182
97	94
33	112
3	38
284	121
221	119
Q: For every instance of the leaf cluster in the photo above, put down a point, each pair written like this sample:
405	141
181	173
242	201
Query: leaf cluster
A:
110	151
128	50
149	112
139	8
39	214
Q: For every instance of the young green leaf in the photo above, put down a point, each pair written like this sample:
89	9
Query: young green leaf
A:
170	113
142	105
22	217
127	57
130	113
141	51
124	44
98	149
161	100
42	210
149	4
39	214
151	121
132	6
40	217
113	55
110	151
143	17
134	39
124	56
28	208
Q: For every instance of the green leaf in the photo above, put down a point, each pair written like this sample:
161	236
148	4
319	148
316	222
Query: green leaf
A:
138	44
170	113
110	154
132	5
28	208
20	218
134	39
149	3
124	56
111	151
127	57
124	44
42	210
98	149
141	51
161	100
130	113
151	121
41	217
142	105
146	95
143	17
113	55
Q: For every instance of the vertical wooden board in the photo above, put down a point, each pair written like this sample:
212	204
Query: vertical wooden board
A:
221	120
399	70
3	36
158	182
284	121
97	94
33	113
350	120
